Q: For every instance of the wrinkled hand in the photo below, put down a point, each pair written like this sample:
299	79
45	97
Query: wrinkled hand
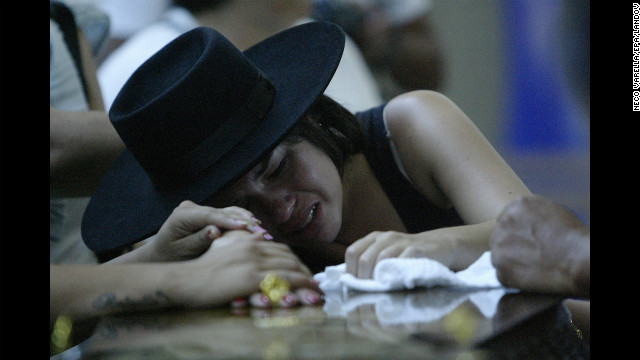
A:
362	256
233	268
190	229
539	245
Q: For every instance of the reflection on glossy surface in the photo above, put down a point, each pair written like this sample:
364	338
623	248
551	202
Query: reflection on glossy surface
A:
455	317
524	330
425	324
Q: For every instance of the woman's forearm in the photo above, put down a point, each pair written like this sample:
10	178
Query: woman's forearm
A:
83	292
79	141
456	247
140	253
470	242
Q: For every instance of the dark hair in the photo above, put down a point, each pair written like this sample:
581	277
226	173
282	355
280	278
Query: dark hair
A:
330	127
333	129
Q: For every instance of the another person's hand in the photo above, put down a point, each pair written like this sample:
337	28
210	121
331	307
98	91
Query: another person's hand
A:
233	268
191	228
189	231
541	246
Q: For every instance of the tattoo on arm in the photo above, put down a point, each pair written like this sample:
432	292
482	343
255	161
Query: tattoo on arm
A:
108	302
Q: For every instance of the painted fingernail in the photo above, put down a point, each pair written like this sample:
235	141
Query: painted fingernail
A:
256	220
265	300
264	231
312	298
259	228
239	302
240	222
288	300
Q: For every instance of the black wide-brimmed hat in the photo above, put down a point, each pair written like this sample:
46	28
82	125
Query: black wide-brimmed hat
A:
199	114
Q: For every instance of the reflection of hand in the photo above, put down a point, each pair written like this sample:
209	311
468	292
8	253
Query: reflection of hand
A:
363	322
398	308
203	334
539	245
392	316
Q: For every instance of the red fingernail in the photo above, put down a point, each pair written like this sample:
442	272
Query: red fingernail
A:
312	298
288	299
259	229
265	300
264	231
239	302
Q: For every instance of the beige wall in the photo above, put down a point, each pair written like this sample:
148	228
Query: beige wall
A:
472	36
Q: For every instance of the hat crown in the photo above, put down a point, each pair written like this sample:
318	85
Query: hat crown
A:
198	90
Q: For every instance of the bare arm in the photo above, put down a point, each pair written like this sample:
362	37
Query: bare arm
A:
448	160
90	74
188	233
87	291
223	260
222	274
79	141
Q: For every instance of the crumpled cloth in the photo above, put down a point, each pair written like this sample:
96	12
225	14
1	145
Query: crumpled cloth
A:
408	273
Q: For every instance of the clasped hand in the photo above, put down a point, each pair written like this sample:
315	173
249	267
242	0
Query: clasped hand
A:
225	254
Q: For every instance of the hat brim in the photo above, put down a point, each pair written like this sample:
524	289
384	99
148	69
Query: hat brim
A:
300	62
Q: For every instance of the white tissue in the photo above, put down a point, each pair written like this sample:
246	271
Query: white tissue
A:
404	274
478	283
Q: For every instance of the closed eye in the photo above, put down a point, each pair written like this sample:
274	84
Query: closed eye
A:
275	173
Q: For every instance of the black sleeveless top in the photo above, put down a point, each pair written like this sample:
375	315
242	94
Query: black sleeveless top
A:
416	212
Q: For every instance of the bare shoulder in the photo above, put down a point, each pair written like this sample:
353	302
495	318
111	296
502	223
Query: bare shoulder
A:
421	107
419	100
417	123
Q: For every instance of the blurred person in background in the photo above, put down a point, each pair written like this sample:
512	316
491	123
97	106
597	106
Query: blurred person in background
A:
243	22
397	38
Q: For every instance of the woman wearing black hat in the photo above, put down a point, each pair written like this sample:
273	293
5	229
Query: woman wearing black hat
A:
221	266
205	122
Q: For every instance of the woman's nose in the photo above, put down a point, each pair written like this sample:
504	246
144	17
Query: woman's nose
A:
277	206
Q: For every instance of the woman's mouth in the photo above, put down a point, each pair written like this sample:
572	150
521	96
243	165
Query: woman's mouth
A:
309	226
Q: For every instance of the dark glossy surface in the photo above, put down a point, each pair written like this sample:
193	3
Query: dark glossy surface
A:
425	324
